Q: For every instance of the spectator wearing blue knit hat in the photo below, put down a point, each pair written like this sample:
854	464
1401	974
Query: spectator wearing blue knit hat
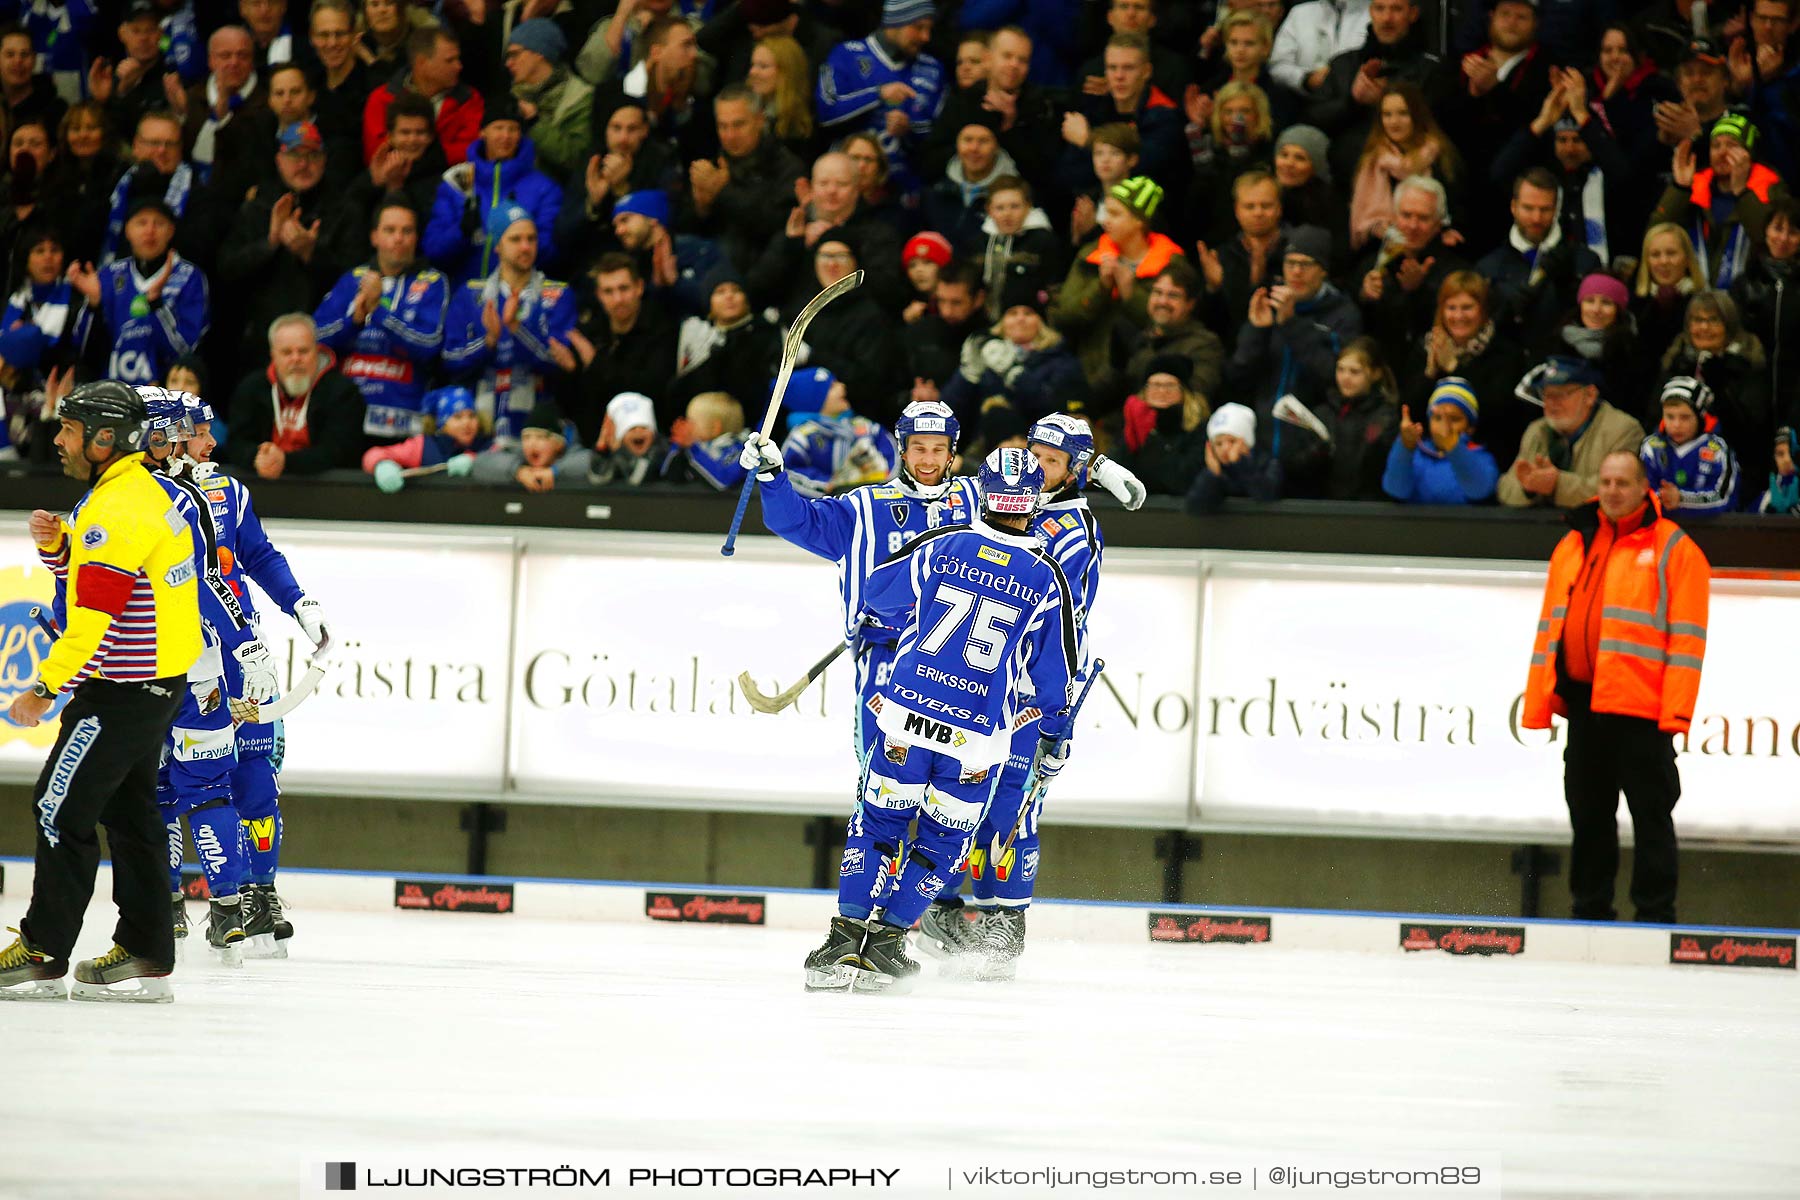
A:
458	432
501	170
887	84
556	104
1444	466
675	265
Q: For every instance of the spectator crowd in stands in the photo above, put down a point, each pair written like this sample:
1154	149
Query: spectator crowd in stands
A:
1340	249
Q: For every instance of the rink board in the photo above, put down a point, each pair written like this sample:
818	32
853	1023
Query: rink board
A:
1184	928
1244	692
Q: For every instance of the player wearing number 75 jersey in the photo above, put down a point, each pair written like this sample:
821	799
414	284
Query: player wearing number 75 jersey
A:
983	608
868	525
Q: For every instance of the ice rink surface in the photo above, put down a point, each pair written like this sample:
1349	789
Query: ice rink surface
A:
462	1035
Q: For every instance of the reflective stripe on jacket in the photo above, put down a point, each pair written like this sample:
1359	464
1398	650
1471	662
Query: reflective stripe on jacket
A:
1652	636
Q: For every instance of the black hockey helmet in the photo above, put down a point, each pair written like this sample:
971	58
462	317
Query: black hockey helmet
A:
108	404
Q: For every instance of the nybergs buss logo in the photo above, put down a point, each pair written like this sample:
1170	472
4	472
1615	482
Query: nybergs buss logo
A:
23	647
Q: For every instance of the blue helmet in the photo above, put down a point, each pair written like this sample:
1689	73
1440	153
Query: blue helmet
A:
1072	435
1011	483
927	416
199	412
169	420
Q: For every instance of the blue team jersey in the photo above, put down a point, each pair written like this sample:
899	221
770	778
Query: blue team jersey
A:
245	552
1703	470
861	529
388	355
849	98
507	376
146	341
1073	537
989	616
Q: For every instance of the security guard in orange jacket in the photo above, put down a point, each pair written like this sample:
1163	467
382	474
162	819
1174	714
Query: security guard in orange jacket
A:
1618	653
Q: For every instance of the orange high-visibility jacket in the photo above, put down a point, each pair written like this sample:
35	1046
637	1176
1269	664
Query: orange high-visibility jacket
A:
1652	622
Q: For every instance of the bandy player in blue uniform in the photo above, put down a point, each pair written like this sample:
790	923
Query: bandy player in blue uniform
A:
989	614
867	525
199	755
1005	875
246	555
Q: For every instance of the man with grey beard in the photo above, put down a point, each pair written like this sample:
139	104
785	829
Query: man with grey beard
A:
298	416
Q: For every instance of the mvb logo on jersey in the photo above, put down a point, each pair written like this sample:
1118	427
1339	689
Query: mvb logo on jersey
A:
925	727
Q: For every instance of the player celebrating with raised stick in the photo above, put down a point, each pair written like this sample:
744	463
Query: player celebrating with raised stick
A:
984	606
859	530
1004	861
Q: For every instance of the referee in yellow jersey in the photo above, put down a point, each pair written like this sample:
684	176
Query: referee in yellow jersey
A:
126	556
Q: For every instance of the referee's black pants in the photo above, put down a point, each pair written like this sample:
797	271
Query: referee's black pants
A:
102	771
1607	754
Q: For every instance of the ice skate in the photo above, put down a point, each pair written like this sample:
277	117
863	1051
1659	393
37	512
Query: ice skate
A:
27	973
261	936
824	972
284	928
1002	942
881	965
119	975
947	931
225	930
179	903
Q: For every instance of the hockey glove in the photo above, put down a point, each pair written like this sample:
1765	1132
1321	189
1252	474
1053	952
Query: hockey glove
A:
388	477
762	456
1126	488
260	683
311	615
1053	756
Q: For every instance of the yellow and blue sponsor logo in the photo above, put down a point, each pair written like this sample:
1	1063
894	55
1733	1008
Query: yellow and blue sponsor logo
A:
23	648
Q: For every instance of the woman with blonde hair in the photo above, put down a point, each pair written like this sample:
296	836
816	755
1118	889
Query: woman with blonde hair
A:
781	77
1463	342
1247	39
1240	137
1668	272
1404	140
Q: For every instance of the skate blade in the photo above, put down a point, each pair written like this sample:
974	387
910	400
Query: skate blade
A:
995	970
830	979
180	950
942	950
264	945
36	989
869	981
127	991
229	956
